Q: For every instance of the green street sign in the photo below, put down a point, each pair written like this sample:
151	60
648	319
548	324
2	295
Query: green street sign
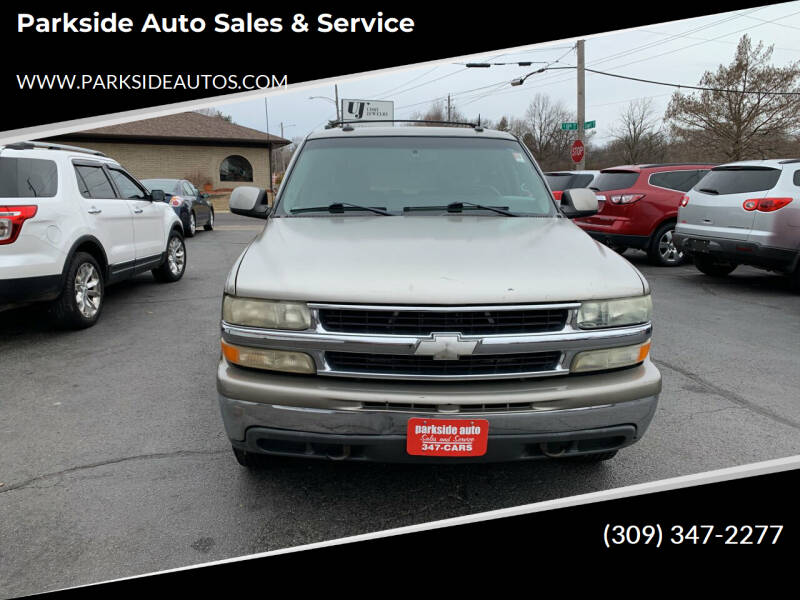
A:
590	124
569	126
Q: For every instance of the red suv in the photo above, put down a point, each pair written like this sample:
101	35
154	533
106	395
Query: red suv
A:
638	208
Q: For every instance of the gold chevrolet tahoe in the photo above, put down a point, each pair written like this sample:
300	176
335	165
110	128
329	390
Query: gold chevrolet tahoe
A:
417	294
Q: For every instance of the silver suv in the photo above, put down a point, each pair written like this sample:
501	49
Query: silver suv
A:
417	294
744	213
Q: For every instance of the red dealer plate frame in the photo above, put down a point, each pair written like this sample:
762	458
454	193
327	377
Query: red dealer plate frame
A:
447	437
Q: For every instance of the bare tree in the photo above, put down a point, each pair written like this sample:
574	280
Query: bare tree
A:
438	112
637	135
753	109
540	130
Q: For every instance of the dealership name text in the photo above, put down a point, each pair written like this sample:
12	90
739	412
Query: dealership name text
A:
223	23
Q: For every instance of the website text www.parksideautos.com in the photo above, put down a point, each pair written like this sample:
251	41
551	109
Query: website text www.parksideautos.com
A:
144	81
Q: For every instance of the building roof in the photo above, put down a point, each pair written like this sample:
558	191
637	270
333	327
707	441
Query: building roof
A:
188	127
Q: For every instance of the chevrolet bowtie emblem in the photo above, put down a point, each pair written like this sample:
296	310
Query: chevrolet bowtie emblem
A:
445	346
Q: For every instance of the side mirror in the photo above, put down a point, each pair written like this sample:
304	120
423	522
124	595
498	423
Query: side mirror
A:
249	201
157	196
578	202
203	195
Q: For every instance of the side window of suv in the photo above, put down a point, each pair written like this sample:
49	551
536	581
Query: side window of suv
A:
93	182
797	178
681	181
129	189
187	189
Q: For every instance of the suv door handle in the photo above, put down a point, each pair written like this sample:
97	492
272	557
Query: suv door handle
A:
138	210
94	211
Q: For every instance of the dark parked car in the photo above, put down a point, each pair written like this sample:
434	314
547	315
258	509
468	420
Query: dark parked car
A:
639	208
568	180
189	203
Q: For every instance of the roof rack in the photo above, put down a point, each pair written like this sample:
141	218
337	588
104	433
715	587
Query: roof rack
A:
347	125
50	146
789	161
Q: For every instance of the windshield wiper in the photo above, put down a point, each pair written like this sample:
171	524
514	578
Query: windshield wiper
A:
457	207
340	207
709	191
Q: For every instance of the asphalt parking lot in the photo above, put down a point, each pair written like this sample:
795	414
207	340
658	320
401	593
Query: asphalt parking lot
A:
114	462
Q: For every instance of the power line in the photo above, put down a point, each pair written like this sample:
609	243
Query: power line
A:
717	41
389	91
688	87
704	42
555	80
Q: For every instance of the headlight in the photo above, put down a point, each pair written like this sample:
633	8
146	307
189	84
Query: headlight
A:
269	314
271	360
610	358
614	313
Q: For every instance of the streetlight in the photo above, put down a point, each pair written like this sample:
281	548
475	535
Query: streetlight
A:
335	100
521	80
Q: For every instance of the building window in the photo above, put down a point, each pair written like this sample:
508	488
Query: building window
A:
236	168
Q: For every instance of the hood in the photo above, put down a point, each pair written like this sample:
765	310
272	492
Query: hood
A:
453	259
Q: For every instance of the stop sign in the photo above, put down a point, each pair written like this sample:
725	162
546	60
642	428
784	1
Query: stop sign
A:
577	151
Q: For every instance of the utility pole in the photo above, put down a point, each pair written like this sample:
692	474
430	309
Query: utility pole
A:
336	95
269	147
448	107
581	101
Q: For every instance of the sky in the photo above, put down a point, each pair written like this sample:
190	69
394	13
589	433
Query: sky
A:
675	52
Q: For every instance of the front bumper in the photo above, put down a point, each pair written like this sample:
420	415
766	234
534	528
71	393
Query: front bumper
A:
367	420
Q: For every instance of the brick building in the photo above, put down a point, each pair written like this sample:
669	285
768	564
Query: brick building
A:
207	150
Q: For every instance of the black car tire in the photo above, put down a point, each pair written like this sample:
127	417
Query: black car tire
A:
210	225
70	310
190	226
662	250
174	265
713	267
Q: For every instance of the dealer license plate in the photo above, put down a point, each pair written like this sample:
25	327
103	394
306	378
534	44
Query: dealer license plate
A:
447	437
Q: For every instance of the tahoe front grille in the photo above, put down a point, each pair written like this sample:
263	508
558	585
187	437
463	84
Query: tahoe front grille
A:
397	364
420	322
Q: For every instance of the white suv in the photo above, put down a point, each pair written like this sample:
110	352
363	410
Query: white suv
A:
73	221
744	213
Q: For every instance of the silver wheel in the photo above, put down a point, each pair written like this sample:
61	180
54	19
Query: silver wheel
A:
176	255
88	293
666	248
192	223
211	219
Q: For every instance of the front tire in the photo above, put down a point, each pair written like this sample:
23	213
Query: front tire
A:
174	264
662	251
210	225
190	227
712	267
81	299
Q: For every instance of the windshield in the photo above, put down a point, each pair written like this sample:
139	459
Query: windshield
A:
170	186
567	181
406	173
